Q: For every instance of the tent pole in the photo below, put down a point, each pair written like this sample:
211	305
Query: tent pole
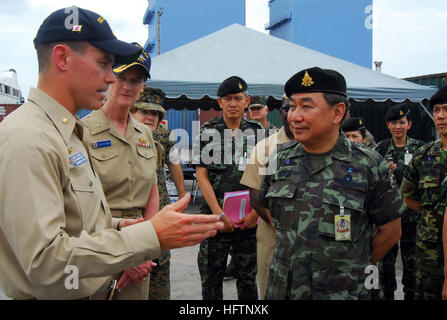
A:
429	114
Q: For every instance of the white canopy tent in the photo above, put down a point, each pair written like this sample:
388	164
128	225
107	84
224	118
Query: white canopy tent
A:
265	62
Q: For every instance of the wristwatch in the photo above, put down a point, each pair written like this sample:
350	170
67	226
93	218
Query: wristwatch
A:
221	215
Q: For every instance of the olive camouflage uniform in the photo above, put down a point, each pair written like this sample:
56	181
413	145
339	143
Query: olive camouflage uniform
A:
152	99
409	217
424	182
224	172
304	195
370	141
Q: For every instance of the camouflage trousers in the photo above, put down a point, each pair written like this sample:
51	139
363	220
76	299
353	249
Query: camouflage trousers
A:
429	258
388	263
212	261
160	285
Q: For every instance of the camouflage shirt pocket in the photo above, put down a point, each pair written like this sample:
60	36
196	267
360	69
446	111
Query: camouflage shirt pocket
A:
281	196
352	201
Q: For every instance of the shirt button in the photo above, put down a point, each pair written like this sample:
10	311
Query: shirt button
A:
103	156
90	183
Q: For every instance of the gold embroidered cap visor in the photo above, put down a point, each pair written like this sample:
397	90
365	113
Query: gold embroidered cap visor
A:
316	80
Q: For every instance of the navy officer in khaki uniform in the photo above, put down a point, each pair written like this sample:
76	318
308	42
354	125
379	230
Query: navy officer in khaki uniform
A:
57	236
123	153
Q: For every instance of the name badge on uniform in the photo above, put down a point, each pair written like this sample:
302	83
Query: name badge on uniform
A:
101	144
408	157
342	226
78	159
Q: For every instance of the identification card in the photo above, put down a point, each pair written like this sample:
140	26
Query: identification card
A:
408	157
342	227
243	163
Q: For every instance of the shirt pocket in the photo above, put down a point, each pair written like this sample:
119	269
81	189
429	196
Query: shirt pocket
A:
281	196
351	201
104	155
84	197
146	152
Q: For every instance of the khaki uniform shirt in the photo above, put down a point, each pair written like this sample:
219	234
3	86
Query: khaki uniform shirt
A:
126	165
253	174
53	213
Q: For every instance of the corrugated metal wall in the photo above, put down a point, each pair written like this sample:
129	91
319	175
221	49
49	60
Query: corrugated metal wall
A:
183	123
274	118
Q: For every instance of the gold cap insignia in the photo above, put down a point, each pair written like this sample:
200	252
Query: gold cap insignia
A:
307	80
240	85
360	122
401	112
100	19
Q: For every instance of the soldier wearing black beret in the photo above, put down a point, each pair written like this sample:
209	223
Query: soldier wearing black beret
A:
354	129
221	173
325	197
398	151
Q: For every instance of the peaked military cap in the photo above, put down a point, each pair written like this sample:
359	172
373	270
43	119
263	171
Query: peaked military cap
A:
258	101
440	97
232	84
143	61
316	80
397	112
352	124
90	26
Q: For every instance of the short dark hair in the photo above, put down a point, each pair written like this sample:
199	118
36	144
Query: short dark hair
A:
44	50
332	99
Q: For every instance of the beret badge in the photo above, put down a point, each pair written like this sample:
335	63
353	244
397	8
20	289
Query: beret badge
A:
307	80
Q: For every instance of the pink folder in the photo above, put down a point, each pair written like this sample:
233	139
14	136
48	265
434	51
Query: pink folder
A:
236	204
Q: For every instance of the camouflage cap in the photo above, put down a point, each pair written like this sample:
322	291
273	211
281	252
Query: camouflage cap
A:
151	99
151	106
152	95
258	101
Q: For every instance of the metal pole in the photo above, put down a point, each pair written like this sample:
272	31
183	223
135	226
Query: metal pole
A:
159	13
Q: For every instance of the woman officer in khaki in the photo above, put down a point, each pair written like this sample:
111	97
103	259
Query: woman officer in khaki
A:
123	154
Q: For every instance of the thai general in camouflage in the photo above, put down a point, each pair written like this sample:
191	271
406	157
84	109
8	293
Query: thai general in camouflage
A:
325	198
423	190
220	154
304	196
398	151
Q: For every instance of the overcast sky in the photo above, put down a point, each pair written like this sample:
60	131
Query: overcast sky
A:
408	35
